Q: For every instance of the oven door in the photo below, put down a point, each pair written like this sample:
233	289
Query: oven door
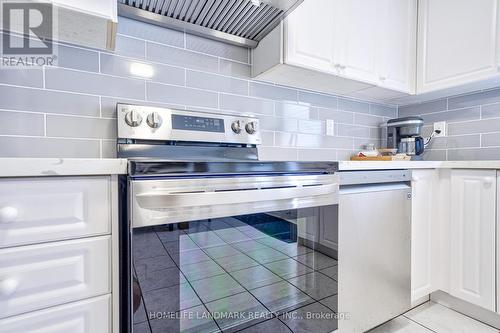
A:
228	253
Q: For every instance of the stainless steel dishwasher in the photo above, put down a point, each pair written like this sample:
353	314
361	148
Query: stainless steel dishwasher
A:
374	248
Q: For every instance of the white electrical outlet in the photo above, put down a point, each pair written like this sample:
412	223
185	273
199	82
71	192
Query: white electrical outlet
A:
330	127
440	126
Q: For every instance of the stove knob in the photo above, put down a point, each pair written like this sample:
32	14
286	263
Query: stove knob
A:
251	127
236	126
154	120
133	118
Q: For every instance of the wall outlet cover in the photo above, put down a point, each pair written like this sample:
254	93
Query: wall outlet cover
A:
441	126
330	127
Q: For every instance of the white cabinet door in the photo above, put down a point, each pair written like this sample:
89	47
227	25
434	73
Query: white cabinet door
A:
329	227
88	316
423	212
397	46
36	210
457	42
472	236
360	32
310	35
40	276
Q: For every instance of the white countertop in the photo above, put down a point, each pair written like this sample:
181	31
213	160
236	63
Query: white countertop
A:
388	165
35	167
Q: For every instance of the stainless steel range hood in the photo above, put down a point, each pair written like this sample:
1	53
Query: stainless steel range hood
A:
239	22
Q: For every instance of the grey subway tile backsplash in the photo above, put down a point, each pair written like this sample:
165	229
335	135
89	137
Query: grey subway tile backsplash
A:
21	123
216	82
490	139
48	147
38	100
477	126
90	83
130	47
471	113
70	110
30	77
478	98
474	154
181	58
77	58
449	142
80	127
423	108
120	66
490	111
232	68
218	49
272	92
158	92
353	105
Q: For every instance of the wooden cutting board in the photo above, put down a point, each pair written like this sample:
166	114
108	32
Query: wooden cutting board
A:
376	158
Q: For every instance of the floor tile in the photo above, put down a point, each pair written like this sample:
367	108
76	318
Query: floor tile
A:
400	325
332	272
184	243
293	249
232	235
170	299
252	232
255	277
196	228
234	222
160	279
264	256
147	245
269	326
142	328
316	285
216	287
148	265
250	245
281	297
206	239
316	260
216	224
304	320
166	235
441	319
236	262
288	268
201	270
221	251
250	312
193	320
331	302
190	257
272	242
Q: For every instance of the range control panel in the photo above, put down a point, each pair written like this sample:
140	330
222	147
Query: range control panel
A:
152	123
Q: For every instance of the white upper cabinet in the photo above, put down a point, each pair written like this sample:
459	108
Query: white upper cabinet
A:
309	42
397	47
472	236
342	46
358	40
457	43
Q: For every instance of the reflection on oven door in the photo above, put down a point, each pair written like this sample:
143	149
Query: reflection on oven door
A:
266	272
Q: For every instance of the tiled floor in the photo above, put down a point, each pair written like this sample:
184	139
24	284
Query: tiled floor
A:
432	317
227	266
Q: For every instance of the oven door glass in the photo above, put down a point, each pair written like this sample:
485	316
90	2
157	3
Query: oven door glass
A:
265	272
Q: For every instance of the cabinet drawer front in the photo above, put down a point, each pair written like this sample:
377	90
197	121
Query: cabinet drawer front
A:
88	316
35	210
39	276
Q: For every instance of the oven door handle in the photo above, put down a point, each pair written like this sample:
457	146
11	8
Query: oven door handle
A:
165	200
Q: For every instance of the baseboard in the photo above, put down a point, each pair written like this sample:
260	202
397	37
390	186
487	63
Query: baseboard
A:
420	301
466	308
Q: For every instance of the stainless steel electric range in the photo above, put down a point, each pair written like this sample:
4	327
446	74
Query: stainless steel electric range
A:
212	239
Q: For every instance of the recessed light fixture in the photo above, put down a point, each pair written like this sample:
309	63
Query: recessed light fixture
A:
142	70
256	2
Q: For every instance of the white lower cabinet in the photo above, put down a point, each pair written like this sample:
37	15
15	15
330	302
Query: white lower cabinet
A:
329	227
423	213
39	276
472	236
87	316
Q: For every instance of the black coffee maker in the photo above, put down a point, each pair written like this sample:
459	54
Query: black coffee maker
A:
403	134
